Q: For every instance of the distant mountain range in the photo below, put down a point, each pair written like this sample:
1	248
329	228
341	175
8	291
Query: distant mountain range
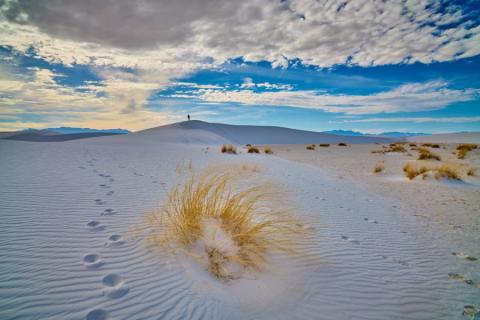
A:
70	130
392	134
59	134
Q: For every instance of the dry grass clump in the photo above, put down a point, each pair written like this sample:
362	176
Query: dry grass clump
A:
311	147
431	145
393	147
253	150
228	148
228	231
268	150
471	172
446	170
412	171
425	154
464	148
379	167
412	144
342	144
324	145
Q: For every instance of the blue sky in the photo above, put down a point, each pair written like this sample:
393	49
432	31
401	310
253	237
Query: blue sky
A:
415	68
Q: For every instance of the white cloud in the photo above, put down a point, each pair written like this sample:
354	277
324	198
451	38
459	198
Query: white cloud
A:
181	34
406	98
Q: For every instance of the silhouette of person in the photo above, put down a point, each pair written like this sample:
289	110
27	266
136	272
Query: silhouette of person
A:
188	116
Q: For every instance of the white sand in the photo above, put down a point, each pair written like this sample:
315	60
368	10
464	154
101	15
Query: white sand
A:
67	250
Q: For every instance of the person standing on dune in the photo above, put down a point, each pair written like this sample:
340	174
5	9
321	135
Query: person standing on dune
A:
188	116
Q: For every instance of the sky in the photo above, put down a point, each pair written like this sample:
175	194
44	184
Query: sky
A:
363	65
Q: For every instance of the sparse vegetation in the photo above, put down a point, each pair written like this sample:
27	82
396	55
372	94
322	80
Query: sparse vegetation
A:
431	145
446	170
393	147
342	144
253	149
228	148
464	148
471	172
412	144
379	167
268	150
425	154
228	231
311	147
324	145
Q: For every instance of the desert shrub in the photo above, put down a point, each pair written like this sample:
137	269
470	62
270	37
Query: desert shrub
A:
464	148
253	150
425	154
268	150
449	171
379	167
342	144
311	147
228	148
227	230
412	144
446	170
248	145
393	147
324	145
412	171
471	171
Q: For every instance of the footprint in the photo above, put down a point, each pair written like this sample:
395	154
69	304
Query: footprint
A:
471	311
371	220
98	314
111	180
462	255
114	286
92	261
103	186
96	226
99	201
81	167
115	240
461	277
109	193
350	239
107	212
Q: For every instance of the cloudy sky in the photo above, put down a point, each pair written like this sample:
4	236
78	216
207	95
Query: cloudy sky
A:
366	65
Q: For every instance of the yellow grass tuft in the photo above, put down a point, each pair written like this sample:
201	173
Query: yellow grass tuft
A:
379	167
431	145
311	147
464	148
253	150
446	170
268	150
471	172
228	148
425	154
228	231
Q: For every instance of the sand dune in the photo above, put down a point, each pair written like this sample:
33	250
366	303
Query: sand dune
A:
463	137
69	247
201	132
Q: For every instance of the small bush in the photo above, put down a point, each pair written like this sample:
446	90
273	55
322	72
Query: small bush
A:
412	171
412	144
228	148
471	172
324	145
342	144
248	145
228	231
253	150
431	145
425	154
311	147
268	150
464	148
449	171
379	167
